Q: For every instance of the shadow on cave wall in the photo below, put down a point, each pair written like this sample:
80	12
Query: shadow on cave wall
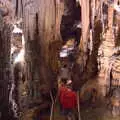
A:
117	41
92	63
79	76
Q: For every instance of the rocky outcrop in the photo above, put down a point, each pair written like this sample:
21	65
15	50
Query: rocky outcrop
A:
6	17
42	43
101	45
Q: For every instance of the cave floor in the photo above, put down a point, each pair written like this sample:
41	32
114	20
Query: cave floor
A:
89	112
96	113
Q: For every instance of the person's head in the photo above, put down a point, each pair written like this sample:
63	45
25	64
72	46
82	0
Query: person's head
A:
69	84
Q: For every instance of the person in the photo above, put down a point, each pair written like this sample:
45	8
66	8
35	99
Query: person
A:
68	100
62	89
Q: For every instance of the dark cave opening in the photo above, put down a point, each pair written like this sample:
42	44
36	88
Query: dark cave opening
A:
71	22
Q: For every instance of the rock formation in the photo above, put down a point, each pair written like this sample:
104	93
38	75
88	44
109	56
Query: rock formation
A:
94	25
6	19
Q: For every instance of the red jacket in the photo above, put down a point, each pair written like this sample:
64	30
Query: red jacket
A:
62	89
68	98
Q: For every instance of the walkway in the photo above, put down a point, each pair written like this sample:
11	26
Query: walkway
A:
89	113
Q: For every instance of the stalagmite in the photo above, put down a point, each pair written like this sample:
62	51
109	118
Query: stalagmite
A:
108	44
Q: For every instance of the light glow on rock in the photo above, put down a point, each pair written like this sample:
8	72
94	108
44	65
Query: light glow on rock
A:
117	8
17	30
20	57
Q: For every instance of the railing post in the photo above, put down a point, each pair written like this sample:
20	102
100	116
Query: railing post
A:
78	104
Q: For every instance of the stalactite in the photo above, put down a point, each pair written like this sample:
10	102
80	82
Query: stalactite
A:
92	62
59	13
85	23
85	30
42	37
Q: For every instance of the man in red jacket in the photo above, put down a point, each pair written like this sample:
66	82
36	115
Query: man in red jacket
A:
68	99
62	89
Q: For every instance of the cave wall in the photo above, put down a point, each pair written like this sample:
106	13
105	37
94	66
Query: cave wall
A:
42	19
4	68
42	42
106	49
6	18
101	41
92	64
